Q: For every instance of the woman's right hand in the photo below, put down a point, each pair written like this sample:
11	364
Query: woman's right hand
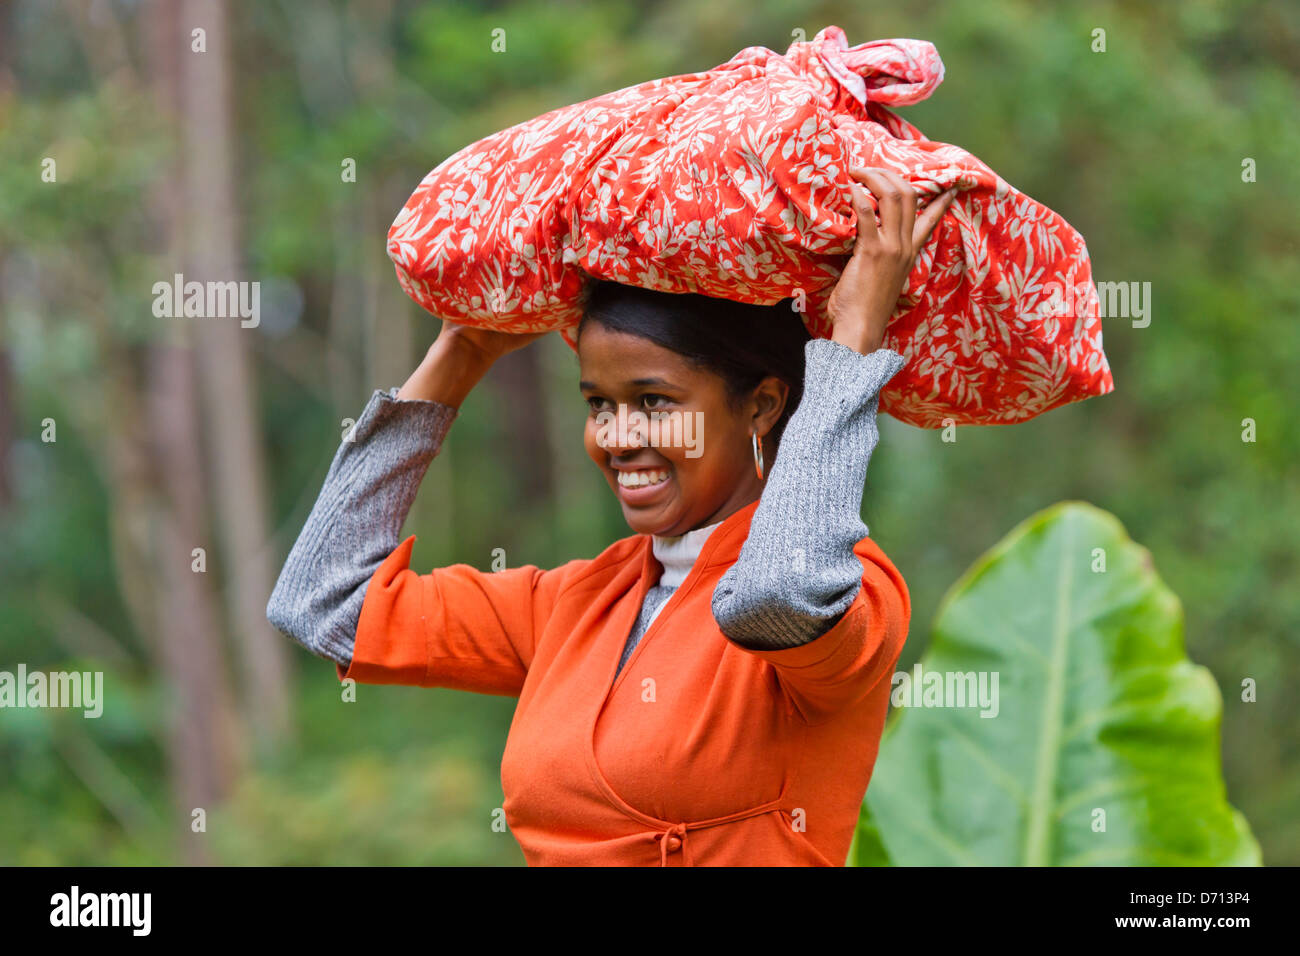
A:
457	360
490	344
864	298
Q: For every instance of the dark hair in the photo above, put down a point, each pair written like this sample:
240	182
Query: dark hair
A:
740	342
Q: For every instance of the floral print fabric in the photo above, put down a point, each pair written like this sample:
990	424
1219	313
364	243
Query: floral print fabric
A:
734	183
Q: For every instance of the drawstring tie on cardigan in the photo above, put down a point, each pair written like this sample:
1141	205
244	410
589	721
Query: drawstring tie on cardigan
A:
672	840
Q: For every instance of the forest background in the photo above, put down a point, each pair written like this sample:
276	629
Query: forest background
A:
1173	152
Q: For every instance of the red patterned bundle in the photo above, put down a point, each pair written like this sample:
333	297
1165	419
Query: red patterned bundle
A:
734	183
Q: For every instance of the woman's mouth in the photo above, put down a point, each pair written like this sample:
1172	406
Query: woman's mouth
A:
641	487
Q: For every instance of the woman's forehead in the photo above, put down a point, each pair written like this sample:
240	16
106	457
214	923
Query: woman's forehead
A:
609	358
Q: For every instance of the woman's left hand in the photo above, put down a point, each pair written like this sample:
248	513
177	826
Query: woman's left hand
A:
867	292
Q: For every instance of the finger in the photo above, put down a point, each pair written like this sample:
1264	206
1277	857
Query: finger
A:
867	229
907	207
907	217
889	198
928	219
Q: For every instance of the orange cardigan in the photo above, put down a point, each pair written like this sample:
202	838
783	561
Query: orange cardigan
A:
700	752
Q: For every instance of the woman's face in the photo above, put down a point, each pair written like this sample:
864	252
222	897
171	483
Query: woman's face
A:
701	444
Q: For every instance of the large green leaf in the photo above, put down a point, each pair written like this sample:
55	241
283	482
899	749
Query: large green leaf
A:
1100	717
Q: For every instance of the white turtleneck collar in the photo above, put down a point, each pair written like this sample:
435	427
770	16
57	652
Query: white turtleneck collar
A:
678	553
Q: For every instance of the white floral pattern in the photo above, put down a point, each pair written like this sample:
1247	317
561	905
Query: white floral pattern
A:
733	183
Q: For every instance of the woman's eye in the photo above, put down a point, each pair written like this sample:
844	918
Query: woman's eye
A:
594	403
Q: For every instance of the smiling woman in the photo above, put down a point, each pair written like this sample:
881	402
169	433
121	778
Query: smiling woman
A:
735	369
724	672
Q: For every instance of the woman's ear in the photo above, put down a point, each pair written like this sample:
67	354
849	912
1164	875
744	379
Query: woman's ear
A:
768	401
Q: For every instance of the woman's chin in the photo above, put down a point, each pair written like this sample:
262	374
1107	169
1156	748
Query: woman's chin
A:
651	519
641	523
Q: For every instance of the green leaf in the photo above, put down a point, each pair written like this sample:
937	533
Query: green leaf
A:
867	849
1098	716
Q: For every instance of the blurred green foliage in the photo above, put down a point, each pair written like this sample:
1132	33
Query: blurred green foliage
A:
1105	746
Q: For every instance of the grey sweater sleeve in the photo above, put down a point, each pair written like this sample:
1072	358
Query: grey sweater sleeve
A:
797	573
356	522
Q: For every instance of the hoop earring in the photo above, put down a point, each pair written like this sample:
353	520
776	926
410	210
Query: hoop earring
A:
758	454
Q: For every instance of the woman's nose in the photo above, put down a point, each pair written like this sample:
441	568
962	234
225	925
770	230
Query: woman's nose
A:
624	431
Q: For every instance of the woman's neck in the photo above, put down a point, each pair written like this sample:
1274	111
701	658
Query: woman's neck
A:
677	553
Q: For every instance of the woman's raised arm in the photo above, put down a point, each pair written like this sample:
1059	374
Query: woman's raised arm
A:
357	519
798	574
356	522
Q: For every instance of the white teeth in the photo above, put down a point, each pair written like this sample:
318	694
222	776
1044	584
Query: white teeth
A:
639	479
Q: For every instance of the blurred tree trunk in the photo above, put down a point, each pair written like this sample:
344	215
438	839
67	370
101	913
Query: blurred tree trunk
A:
205	736
142	421
207	229
7	387
519	377
387	310
205	741
7	392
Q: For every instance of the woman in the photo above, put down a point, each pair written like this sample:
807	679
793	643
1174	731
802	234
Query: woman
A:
710	690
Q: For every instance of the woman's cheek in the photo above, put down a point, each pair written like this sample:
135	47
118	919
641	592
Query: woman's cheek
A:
674	434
